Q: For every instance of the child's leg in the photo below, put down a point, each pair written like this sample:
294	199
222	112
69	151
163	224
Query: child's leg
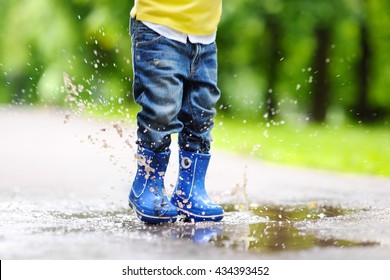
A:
201	93
159	68
200	96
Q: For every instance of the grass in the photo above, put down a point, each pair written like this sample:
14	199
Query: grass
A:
346	148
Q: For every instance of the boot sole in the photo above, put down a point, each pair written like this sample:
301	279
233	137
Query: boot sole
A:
200	218
151	219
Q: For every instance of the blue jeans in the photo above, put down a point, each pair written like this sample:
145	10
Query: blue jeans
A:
176	86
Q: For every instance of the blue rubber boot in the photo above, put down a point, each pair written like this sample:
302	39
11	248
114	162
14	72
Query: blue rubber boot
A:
147	196
190	196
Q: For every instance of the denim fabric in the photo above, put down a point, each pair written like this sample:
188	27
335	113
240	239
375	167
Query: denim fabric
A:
176	86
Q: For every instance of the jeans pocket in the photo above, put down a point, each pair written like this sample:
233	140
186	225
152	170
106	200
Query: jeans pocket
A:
143	35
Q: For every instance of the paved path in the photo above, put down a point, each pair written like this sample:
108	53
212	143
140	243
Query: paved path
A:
64	183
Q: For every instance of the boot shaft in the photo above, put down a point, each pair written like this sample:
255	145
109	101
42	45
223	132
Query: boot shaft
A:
147	196
151	171
152	162
190	195
192	173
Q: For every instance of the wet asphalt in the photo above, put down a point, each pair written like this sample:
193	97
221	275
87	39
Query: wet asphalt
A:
64	182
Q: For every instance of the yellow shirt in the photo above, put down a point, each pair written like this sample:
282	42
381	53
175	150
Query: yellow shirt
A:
198	17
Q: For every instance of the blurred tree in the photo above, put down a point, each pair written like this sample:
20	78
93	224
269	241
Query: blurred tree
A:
363	74
322	16
321	89
275	32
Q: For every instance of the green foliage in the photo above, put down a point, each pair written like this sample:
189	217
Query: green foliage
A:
244	40
88	40
41	40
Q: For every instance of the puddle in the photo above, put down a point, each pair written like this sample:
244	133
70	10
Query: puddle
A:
284	229
260	229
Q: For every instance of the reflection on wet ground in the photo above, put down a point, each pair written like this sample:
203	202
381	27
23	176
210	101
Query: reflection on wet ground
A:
284	229
259	229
